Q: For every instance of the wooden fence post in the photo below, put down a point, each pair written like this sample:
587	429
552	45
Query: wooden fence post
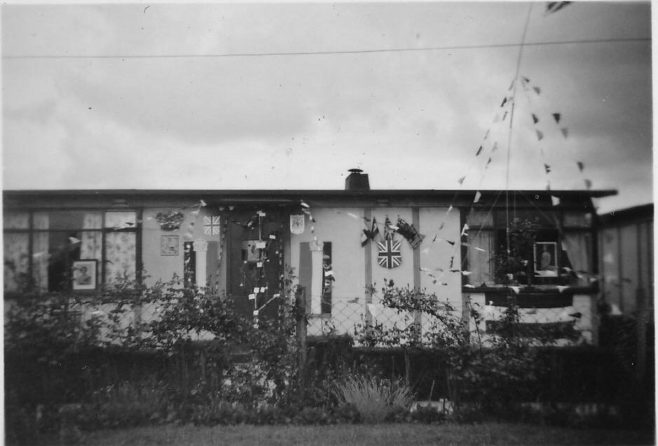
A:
300	314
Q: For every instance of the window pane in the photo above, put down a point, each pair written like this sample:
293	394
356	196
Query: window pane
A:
544	217
15	220
476	219
120	220
40	259
480	257
120	249
16	259
577	219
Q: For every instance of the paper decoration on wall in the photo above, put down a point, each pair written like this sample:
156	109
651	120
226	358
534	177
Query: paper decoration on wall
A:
211	225
297	224
169	221
249	251
370	234
389	255
410	233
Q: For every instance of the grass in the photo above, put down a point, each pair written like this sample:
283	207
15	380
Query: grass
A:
374	398
368	435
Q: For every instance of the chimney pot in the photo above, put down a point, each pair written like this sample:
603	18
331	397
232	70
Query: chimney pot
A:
357	180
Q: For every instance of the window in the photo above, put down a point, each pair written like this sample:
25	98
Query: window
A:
546	247
40	248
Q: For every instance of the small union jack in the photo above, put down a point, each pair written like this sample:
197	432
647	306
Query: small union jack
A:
389	255
211	225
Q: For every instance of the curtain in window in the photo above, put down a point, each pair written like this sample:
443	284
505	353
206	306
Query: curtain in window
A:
40	250
480	259
15	220
92	241
579	250
16	258
120	248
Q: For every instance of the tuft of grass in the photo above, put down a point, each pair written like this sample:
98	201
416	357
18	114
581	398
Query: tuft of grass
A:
375	398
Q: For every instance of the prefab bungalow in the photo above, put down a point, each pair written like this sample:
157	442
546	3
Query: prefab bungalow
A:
470	248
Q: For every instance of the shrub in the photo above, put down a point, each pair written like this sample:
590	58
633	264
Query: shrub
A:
374	398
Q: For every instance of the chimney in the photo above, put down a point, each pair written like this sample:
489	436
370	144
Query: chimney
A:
357	180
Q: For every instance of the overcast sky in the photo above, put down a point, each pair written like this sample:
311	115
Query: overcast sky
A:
178	96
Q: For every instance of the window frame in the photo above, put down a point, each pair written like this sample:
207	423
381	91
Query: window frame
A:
31	231
562	228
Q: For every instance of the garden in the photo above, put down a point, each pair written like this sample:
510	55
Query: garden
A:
82	369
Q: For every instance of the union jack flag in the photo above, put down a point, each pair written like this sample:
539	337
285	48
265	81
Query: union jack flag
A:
389	255
211	225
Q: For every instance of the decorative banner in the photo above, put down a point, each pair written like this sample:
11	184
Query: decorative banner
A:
211	225
410	233
297	224
556	116
535	119
389	255
547	168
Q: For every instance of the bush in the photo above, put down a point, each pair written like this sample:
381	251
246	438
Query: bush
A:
375	399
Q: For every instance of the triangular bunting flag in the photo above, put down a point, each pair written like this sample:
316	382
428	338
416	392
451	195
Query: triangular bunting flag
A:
479	151
555	200
461	180
516	289
581	165
547	168
477	197
535	119
504	116
502	104
511	85
525	80
556	116
488	162
495	147
561	288
552	7
588	184
540	135
486	135
564	131
465	230
537	90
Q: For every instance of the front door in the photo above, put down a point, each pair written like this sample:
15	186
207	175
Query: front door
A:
256	261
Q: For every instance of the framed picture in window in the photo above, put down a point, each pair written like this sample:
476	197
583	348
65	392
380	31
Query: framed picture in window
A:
84	274
545	254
